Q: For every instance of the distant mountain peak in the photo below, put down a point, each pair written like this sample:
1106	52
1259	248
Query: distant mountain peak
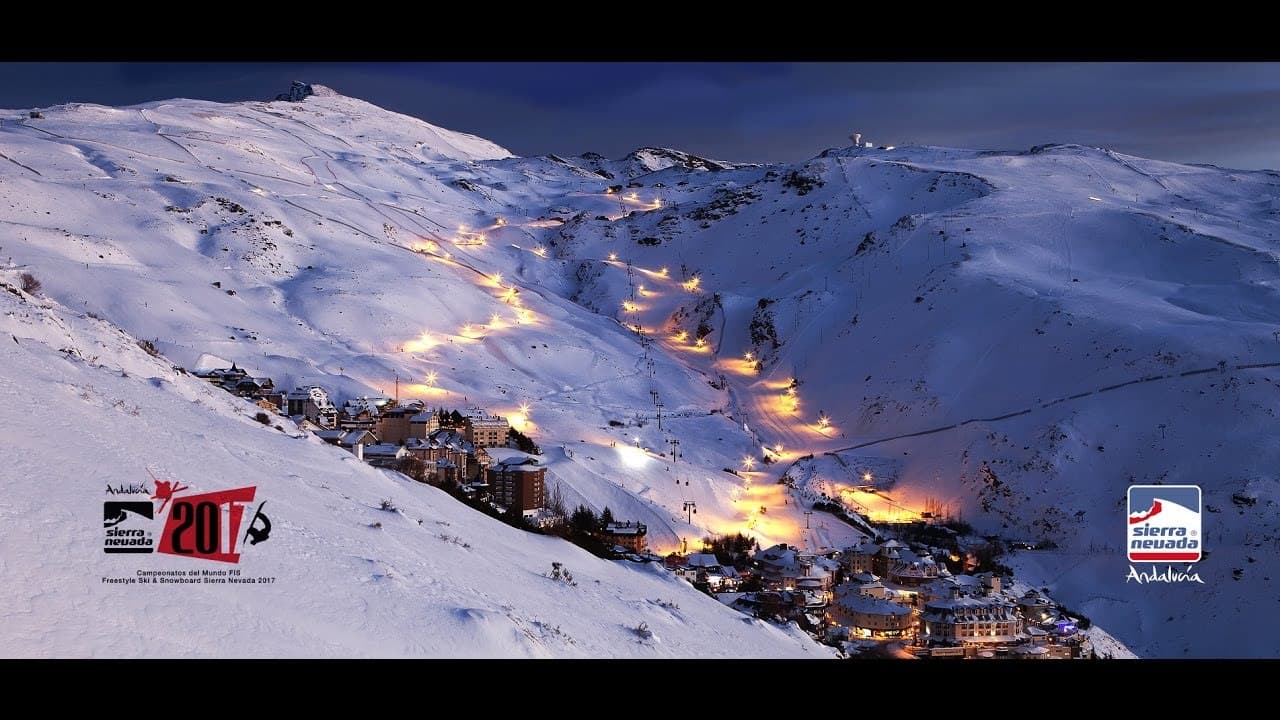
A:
657	158
300	91
652	159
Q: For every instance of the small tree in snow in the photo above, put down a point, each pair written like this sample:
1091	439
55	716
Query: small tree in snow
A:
560	573
556	503
30	285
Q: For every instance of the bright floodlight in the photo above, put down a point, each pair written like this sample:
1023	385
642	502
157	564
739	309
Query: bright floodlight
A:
632	456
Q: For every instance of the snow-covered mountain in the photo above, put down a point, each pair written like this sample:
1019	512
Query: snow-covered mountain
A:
425	576
1014	336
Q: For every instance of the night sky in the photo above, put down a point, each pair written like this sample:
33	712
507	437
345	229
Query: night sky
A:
1221	113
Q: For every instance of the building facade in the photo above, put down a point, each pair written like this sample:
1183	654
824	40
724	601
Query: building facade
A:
971	620
865	616
423	424
448	452
518	483
313	403
630	535
483	430
393	425
783	567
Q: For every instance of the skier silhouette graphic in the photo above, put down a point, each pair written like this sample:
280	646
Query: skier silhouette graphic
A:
165	491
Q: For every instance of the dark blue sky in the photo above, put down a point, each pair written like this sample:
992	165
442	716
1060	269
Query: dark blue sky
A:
1221	113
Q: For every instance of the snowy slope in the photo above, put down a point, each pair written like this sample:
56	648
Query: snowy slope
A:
435	579
905	290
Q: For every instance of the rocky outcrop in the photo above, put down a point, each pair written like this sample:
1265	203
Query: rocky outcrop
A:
300	91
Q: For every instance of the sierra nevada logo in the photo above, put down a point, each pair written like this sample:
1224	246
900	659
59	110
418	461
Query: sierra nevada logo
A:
206	526
1164	523
125	524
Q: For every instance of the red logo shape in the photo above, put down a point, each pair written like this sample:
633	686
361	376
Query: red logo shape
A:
1143	517
165	491
195	527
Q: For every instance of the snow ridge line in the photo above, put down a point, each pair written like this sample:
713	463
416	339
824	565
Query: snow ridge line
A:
1149	378
24	167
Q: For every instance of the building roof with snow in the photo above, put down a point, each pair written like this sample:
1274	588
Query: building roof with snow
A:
968	609
862	548
384	450
625	527
857	602
364	403
314	393
706	560
444	438
351	438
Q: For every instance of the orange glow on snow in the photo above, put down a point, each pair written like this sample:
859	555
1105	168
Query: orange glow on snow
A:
421	344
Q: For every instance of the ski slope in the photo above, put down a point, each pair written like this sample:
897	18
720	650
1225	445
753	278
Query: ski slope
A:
430	579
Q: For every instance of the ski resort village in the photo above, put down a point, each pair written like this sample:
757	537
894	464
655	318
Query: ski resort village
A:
881	598
883	403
